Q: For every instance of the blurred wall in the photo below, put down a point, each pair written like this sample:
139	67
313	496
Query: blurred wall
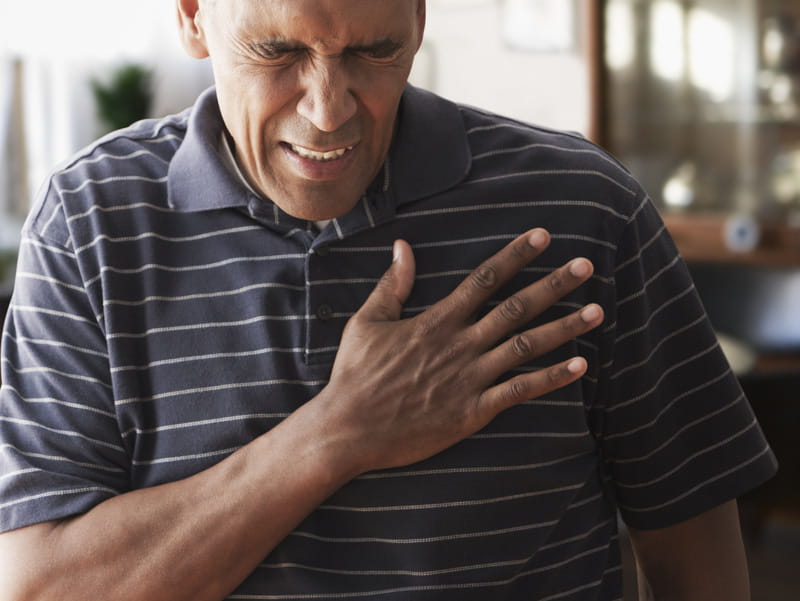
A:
50	49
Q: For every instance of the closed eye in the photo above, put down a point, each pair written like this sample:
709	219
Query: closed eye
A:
275	50
380	50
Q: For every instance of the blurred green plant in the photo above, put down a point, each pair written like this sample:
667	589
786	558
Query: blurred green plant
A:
8	263
125	98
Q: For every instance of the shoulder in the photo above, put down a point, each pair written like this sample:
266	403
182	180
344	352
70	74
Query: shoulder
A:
547	163
492	134
106	172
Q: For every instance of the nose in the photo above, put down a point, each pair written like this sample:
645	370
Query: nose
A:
327	100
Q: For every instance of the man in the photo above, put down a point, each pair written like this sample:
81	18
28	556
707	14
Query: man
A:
186	416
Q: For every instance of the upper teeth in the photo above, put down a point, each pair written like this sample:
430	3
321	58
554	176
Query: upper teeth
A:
320	156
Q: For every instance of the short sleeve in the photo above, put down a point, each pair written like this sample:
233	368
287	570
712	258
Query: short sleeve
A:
60	447
676	432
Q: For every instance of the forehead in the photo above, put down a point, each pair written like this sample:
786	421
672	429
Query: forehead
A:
325	23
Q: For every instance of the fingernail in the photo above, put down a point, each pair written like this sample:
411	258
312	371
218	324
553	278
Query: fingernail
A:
580	268
396	252
537	239
576	366
591	313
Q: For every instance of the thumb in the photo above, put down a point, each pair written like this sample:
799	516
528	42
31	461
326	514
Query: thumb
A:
392	290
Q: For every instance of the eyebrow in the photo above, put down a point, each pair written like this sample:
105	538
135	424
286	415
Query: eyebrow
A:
383	46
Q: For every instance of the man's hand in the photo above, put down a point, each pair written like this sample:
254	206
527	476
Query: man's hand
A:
404	390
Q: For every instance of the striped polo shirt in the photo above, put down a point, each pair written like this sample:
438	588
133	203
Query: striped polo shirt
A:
164	316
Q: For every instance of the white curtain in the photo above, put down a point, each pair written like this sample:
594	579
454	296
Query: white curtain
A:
47	110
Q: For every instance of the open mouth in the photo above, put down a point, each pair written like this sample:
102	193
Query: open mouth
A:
323	157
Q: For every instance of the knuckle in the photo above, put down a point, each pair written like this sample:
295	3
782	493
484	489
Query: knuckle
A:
523	345
554	376
555	281
484	277
517	389
455	350
568	325
513	308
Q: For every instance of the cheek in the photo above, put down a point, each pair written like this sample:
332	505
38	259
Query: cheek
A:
254	107
380	99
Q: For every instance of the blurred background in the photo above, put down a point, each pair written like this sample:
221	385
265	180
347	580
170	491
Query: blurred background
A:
699	98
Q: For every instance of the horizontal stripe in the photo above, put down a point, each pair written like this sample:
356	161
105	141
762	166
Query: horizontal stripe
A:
663	410
711	480
688	459
50	370
422	540
208	357
481	469
24	340
641	292
113	180
512	205
666	372
205	422
43	278
452	504
47	247
53	401
190	268
203	295
105	156
206	325
227	386
657	347
638	256
521	149
42	311
655	314
59	459
29	470
182	458
496	435
59	493
455	586
117	209
552	172
69	433
175	239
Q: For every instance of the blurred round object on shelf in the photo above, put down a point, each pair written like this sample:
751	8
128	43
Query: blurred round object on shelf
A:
741	233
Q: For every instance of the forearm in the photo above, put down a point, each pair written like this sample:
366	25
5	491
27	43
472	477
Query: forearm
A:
195	539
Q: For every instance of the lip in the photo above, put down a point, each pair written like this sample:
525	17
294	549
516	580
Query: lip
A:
320	170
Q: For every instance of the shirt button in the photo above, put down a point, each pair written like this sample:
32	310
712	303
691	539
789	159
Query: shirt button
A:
324	312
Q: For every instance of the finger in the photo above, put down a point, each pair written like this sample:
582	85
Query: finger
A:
392	290
535	342
531	385
519	309
476	290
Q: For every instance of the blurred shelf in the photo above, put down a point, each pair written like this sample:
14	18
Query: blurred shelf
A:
700	239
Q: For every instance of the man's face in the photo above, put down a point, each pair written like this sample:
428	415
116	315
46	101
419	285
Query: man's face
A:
309	91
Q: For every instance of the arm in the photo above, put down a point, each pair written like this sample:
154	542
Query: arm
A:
701	559
200	537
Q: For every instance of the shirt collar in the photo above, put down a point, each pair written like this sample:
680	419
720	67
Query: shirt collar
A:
429	154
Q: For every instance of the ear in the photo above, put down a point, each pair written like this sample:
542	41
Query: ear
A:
420	21
191	32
